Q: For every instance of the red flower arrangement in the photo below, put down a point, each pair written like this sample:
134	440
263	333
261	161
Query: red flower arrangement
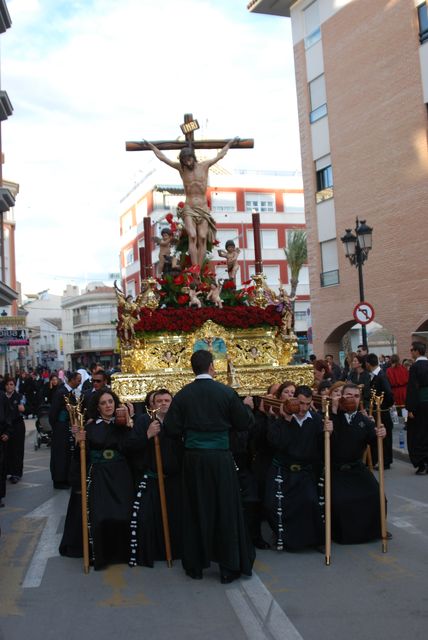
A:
186	319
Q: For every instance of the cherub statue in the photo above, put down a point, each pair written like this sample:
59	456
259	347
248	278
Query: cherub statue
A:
193	295
214	295
231	254
128	313
164	243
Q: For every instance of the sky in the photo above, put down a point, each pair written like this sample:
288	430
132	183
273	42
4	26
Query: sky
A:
86	76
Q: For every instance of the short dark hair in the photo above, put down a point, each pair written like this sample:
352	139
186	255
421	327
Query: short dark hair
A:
161	392
303	390
72	375
350	385
229	243
362	346
201	361
420	347
372	359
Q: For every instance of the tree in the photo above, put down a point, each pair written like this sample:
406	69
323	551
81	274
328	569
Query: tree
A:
297	255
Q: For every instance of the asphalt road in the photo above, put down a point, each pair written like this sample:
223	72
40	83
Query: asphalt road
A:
363	593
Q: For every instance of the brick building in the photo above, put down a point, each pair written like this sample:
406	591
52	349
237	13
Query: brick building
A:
362	90
233	196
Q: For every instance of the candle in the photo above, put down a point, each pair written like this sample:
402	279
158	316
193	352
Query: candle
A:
147	247
257	243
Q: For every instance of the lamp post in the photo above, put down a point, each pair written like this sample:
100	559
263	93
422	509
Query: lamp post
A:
357	247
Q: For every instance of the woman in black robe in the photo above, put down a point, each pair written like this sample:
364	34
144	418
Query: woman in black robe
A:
355	511
147	543
109	487
16	444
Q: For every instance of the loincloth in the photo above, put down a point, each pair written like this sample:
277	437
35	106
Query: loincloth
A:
198	215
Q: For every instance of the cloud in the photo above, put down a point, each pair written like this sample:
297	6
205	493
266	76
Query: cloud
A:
84	77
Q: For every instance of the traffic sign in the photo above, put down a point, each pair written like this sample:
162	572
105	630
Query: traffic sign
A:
364	312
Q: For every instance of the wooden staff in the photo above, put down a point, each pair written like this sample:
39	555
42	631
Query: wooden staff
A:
378	400
367	457
77	417
162	496
327	484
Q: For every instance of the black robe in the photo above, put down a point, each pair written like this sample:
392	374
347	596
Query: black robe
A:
203	413
292	498
417	404
62	444
16	443
355	511
110	492
147	544
380	384
5	429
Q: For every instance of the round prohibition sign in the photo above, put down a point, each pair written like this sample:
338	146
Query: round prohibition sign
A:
364	312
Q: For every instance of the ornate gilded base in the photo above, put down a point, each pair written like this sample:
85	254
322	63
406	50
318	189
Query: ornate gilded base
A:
254	382
249	360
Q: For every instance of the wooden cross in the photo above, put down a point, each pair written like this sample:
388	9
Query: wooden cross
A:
188	128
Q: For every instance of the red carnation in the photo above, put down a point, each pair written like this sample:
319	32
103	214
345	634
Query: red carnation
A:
179	279
229	284
216	242
169	217
246	282
180	205
183	299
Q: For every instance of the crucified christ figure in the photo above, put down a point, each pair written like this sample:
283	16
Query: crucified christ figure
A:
197	218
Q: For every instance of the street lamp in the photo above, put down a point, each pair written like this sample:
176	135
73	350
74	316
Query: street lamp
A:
357	247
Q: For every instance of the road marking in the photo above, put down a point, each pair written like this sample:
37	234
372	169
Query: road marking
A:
259	613
416	503
53	510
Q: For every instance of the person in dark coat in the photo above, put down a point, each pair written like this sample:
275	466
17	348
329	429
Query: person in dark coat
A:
147	545
16	443
203	414
379	384
62	444
5	431
292	500
109	486
355	512
417	406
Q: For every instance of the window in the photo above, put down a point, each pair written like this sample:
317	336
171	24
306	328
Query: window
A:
223	235
130	288
127	222
269	238
129	256
260	202
423	23
223	201
324	178
271	272
311	19
141	210
329	262
318	98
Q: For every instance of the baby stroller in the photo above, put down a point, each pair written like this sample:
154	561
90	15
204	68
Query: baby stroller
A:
43	427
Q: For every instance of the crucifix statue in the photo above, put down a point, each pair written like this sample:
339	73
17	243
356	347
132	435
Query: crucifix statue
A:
197	218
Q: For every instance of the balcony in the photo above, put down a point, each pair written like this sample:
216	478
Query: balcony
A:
271	7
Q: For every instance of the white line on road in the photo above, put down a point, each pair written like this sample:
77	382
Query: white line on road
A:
416	503
259	613
53	509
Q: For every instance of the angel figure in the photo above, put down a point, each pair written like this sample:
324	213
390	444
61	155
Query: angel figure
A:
231	254
164	243
286	307
128	310
193	296
214	295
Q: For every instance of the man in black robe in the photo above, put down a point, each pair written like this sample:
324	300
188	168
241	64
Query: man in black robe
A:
148	542
5	432
417	406
379	384
354	489
62	444
292	500
203	413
